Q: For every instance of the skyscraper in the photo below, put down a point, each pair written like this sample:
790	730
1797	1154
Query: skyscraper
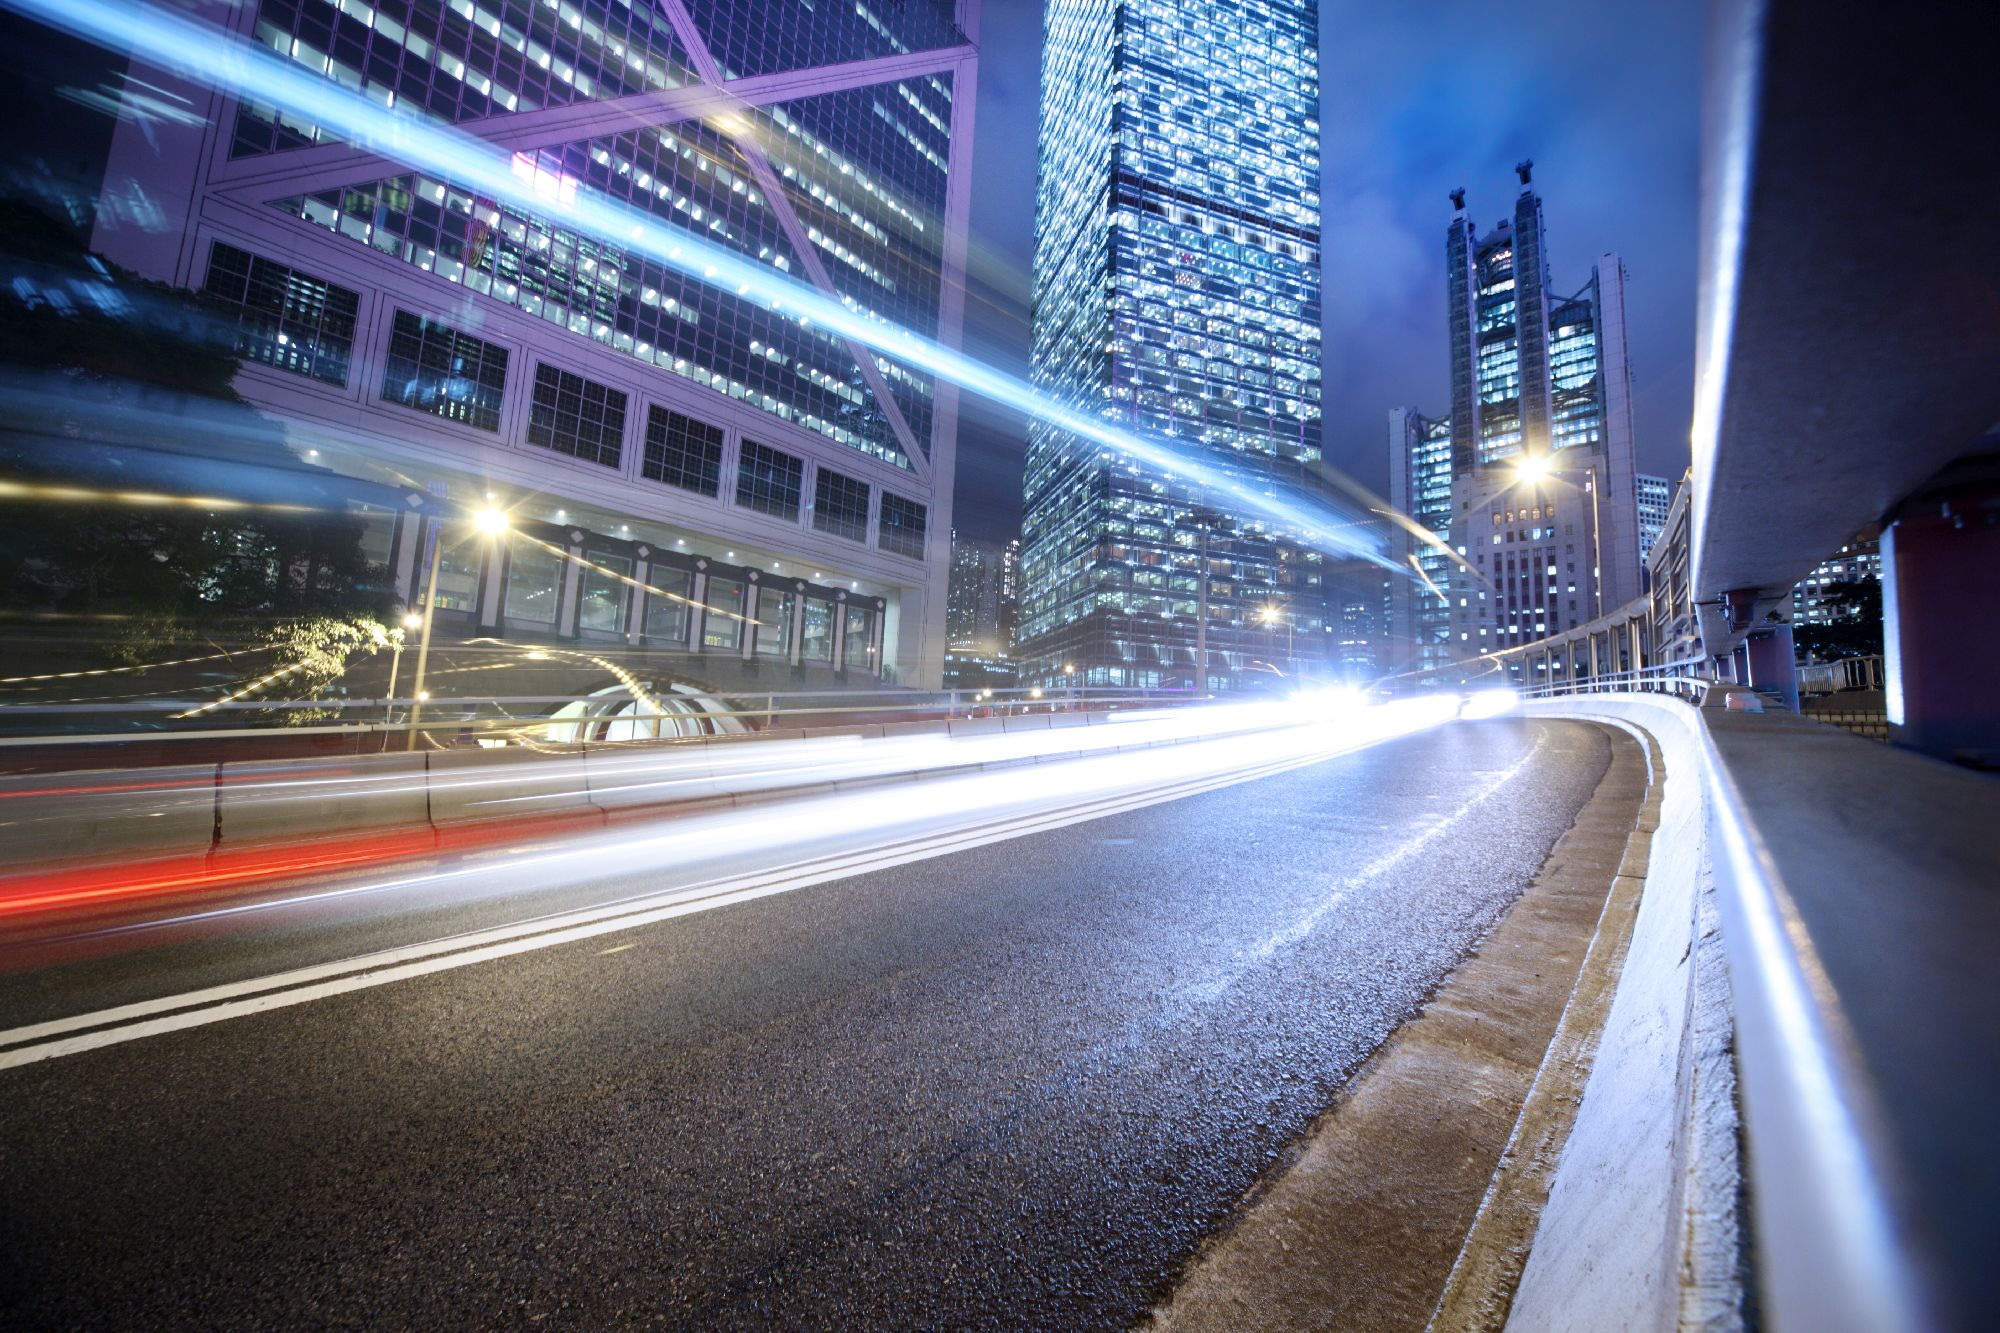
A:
1543	508
980	614
1420	488
685	470
1177	292
1655	494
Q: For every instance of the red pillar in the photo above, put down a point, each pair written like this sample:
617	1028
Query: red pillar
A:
1941	622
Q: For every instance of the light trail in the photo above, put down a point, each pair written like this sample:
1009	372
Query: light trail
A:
579	794
820	838
206	54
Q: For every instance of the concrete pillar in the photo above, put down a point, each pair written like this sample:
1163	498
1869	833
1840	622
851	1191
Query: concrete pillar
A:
635	595
492	583
840	633
798	623
569	607
752	608
697	619
1941	620
1773	663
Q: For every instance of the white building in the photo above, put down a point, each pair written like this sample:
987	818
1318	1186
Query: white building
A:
683	471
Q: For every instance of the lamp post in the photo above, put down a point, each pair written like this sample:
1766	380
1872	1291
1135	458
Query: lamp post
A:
1269	615
489	523
1205	521
410	621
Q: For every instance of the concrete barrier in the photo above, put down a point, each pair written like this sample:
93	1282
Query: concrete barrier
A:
272	800
505	784
1640	1228
160	811
640	778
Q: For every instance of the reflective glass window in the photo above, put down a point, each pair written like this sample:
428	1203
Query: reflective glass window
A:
721	621
436	369
284	318
605	595
534	573
816	631
667	609
769	481
859	652
683	452
774	622
578	417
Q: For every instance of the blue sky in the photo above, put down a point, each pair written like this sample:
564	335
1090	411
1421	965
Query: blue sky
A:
1419	97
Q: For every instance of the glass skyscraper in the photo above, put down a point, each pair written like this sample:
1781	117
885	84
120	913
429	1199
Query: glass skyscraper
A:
764	489
1177	293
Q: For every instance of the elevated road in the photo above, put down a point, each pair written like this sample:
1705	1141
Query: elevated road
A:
1017	1083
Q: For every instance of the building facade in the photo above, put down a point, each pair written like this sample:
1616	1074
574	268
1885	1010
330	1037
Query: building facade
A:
1177	293
1544	506
682	470
1655	494
1419	611
1817	599
980	613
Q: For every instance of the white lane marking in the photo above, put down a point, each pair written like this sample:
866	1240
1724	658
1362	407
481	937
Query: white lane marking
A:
300	986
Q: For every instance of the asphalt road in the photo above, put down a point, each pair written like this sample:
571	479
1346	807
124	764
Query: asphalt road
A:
1013	1086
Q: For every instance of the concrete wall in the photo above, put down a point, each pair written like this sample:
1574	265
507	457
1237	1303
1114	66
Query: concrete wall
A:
1640	1230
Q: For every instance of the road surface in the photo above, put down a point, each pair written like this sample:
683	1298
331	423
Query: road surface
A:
1011	1086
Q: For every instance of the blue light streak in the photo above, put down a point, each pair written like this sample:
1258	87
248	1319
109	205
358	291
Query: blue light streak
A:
202	53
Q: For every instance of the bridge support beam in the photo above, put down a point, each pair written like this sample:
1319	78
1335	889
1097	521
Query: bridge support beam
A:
1773	663
1941	619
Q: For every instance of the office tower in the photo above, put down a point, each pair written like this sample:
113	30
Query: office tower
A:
685	471
1828	595
980	609
1177	293
1543	504
1654	495
1419	489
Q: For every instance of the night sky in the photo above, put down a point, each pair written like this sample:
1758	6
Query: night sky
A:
1418	98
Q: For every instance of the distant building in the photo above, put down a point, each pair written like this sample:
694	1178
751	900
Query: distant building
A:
1543	506
1858	561
972	670
1419	615
980	607
1654	494
1176	291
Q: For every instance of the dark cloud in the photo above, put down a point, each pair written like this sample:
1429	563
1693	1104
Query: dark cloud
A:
1418	97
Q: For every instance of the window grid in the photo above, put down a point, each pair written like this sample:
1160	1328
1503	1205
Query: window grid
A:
683	452
769	481
902	527
284	318
436	369
576	416
840	505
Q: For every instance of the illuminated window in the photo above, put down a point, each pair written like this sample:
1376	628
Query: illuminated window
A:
284	318
436	369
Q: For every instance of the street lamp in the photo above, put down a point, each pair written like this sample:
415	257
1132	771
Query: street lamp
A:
1536	468
410	621
1269	615
488	523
